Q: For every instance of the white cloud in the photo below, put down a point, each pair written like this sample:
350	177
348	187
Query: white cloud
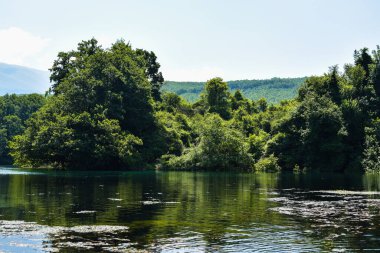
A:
20	47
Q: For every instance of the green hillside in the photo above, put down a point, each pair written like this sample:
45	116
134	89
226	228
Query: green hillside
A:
274	90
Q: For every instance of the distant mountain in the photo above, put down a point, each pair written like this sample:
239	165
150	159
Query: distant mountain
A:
22	80
274	90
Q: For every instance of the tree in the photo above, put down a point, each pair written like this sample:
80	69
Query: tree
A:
54	138
152	71
238	96
333	84
314	135
375	74
173	103
217	95
262	104
322	134
101	108
237	100
71	61
363	58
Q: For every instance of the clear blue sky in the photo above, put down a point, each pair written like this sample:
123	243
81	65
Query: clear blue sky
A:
197	39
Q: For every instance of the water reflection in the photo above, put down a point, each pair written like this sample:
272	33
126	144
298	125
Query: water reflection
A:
170	211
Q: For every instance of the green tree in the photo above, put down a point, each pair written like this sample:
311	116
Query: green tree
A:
262	104
101	109
217	97
333	88
363	58
313	136
152	68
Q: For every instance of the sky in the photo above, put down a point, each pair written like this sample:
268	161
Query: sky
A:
196	40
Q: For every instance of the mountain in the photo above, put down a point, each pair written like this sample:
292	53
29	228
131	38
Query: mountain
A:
274	89
22	80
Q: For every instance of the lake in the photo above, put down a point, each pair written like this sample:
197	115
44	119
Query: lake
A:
148	211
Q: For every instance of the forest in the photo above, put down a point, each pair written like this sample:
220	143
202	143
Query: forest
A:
107	106
274	90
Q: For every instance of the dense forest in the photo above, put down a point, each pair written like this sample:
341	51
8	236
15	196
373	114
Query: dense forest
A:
274	90
106	110
15	110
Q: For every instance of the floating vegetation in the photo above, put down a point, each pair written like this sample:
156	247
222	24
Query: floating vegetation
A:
157	202
344	192
85	212
40	238
151	202
114	199
343	211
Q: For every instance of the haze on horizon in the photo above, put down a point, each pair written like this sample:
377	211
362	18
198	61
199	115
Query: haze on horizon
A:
196	40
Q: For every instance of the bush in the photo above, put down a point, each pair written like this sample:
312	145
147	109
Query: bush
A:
218	147
267	164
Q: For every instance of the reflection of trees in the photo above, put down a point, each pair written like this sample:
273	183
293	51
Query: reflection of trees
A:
55	200
213	205
208	203
371	182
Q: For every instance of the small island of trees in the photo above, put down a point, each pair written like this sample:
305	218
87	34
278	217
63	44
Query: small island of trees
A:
105	110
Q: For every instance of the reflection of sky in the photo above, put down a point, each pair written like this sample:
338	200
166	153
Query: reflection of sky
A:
19	236
18	243
14	171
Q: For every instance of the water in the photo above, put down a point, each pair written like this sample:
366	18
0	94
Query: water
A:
188	212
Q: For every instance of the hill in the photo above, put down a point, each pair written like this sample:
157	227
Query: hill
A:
274	89
22	80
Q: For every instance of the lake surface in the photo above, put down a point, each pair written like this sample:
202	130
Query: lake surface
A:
188	212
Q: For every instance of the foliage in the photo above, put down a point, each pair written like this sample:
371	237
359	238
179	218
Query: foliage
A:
64	140
267	164
216	97
106	106
371	153
218	147
14	111
257	143
331	127
101	109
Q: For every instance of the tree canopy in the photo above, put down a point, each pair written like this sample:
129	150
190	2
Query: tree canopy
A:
101	108
106	110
